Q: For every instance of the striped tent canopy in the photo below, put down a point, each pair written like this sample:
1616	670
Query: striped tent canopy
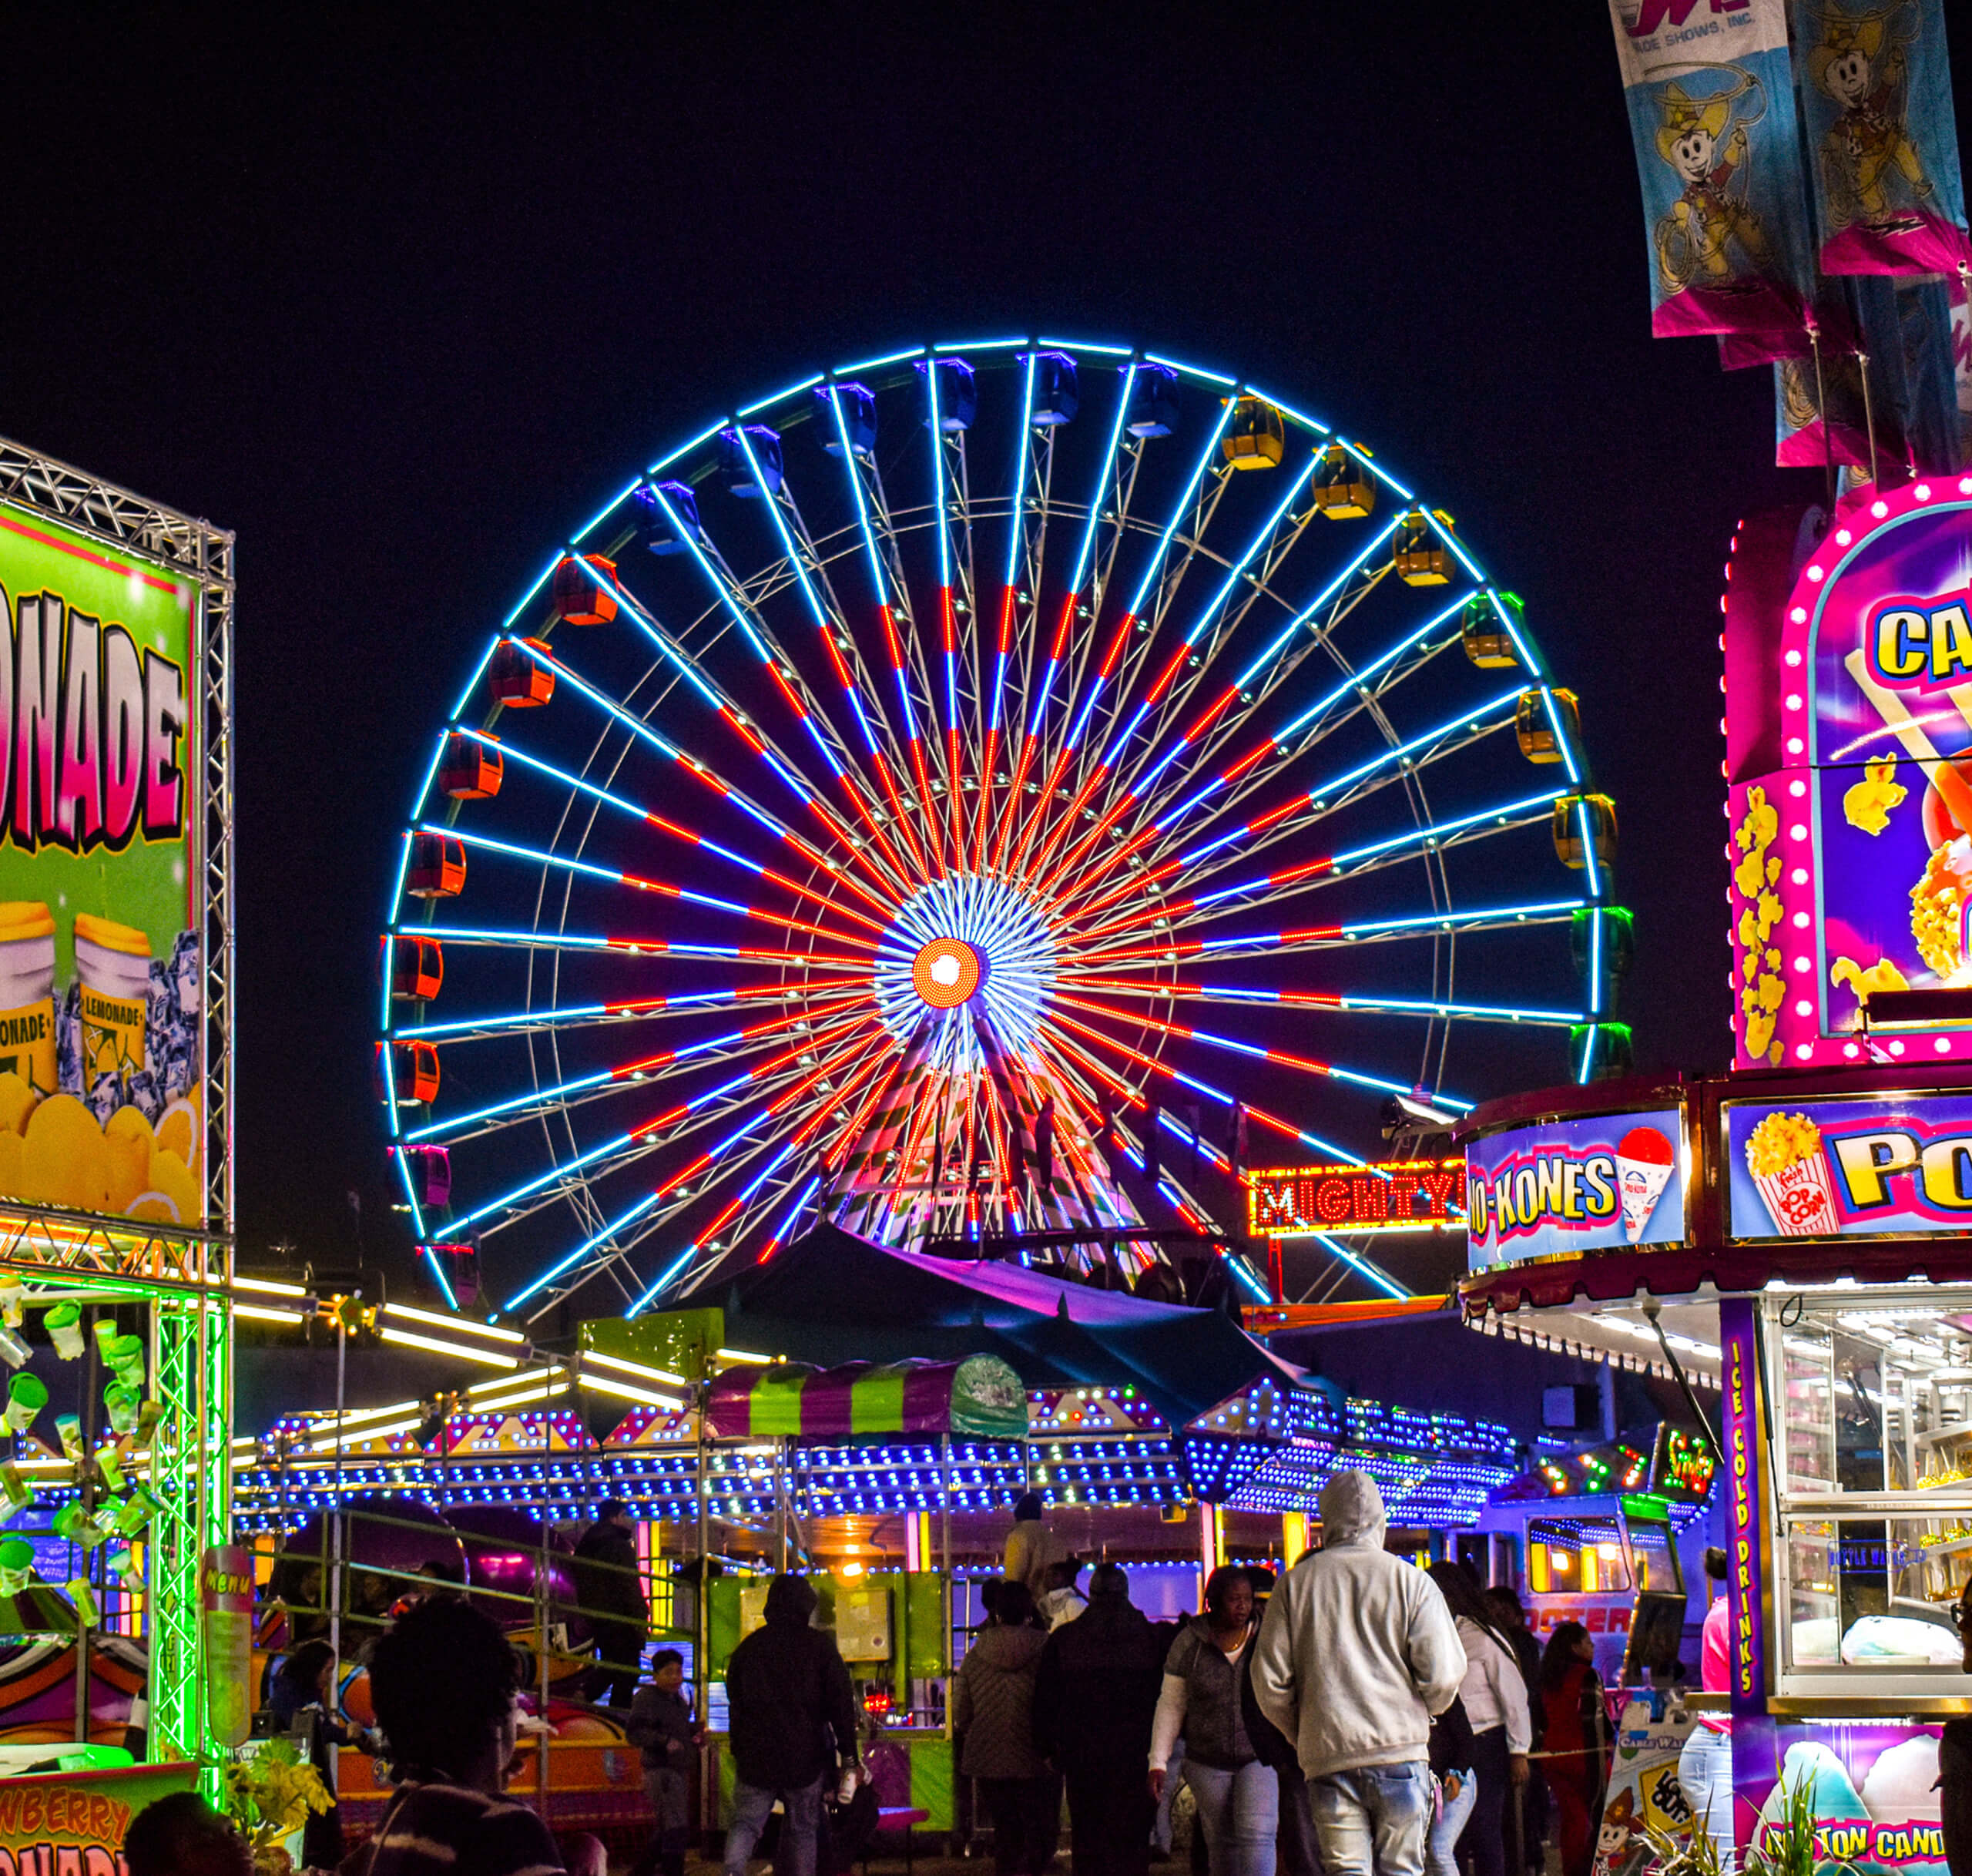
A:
980	1396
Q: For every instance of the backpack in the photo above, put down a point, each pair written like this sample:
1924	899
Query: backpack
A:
1452	1740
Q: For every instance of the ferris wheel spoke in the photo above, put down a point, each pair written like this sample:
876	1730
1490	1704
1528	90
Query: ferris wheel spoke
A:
1191	746
588	869
1083	573
1433	837
1334	936
1156	990
1348	789
629	1009
664	1130
703	773
583	1090
757	1201
997	659
1280	1058
1118	655
520	939
1155	1067
677	831
891	593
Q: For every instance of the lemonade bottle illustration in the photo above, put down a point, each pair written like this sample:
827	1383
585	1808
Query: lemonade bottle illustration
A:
27	993
113	962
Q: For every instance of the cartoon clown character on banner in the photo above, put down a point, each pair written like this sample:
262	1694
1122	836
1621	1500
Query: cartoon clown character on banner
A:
1711	237
1862	67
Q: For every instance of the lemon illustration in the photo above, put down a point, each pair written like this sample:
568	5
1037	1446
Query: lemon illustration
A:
131	1122
128	1156
172	1179
11	1147
154	1208
178	1131
63	1160
17	1101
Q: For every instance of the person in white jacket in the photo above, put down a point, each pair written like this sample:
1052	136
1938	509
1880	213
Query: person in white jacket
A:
1356	1654
1494	1692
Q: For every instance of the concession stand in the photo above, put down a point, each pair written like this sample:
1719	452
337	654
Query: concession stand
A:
1793	1232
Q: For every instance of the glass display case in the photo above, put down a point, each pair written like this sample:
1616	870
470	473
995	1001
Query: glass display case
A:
1870	1432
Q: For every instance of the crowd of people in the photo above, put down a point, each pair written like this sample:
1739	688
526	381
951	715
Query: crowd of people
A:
1357	1717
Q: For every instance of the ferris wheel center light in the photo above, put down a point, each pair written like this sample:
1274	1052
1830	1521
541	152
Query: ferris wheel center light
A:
946	972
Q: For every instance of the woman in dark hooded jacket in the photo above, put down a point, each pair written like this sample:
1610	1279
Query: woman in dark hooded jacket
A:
993	1709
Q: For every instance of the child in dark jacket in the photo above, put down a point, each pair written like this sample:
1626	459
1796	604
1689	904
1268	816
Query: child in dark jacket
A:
661	1724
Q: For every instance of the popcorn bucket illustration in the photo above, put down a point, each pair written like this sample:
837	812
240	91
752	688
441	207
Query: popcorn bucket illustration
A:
1784	1155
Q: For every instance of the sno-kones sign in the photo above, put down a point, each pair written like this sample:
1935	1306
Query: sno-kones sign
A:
1612	1182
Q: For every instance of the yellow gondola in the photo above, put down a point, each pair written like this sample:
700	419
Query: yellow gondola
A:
1256	437
1540	723
1343	488
1419	555
1487	641
1571	812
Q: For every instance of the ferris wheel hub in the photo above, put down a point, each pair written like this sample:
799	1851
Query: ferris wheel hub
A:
947	972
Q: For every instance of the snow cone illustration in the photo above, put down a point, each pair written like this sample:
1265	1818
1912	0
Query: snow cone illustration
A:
1644	1160
1784	1155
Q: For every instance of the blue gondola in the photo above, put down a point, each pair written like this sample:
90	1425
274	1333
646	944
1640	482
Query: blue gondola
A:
655	528
1153	401
1056	399
762	475
858	418
958	396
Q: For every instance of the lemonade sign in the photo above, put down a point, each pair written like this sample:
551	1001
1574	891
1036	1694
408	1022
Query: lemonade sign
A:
101	1075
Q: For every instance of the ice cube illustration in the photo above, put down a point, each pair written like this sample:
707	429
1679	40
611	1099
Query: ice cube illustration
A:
1644	1160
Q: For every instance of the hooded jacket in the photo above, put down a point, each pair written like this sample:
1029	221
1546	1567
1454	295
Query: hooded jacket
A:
993	1704
1096	1691
1357	1651
787	1691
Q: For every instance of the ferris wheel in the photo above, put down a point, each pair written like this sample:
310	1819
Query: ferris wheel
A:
999	788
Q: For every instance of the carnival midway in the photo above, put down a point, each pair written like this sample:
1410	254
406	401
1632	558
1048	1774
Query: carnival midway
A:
920	1305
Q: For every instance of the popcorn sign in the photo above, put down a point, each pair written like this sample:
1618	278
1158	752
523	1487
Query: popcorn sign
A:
1866	1166
1612	1183
102	970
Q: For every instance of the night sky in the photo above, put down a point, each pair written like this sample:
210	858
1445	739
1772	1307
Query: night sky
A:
400	295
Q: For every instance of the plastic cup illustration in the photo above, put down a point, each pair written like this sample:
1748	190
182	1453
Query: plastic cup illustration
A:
113	963
124	1355
27	1394
138	1510
121	1404
110	1467
76	1524
1784	1155
65	1330
13	1302
14	1488
13	1350
123	1565
150	1416
1644	1160
88	1613
27	993
16	1565
69	1427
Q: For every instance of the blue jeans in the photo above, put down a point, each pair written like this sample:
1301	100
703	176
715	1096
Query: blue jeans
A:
1371	1821
1239	1812
1440	1859
1705	1775
748	1818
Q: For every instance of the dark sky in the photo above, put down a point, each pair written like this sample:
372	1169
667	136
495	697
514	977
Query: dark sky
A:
400	295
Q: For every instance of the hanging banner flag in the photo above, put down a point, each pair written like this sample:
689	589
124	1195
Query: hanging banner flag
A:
1876	90
1933	425
1710	106
1805	436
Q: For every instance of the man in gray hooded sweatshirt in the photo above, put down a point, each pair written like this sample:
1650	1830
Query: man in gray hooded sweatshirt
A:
1356	1654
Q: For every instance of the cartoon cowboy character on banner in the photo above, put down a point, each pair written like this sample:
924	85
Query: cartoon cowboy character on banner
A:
1711	249
1880	206
1710	218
